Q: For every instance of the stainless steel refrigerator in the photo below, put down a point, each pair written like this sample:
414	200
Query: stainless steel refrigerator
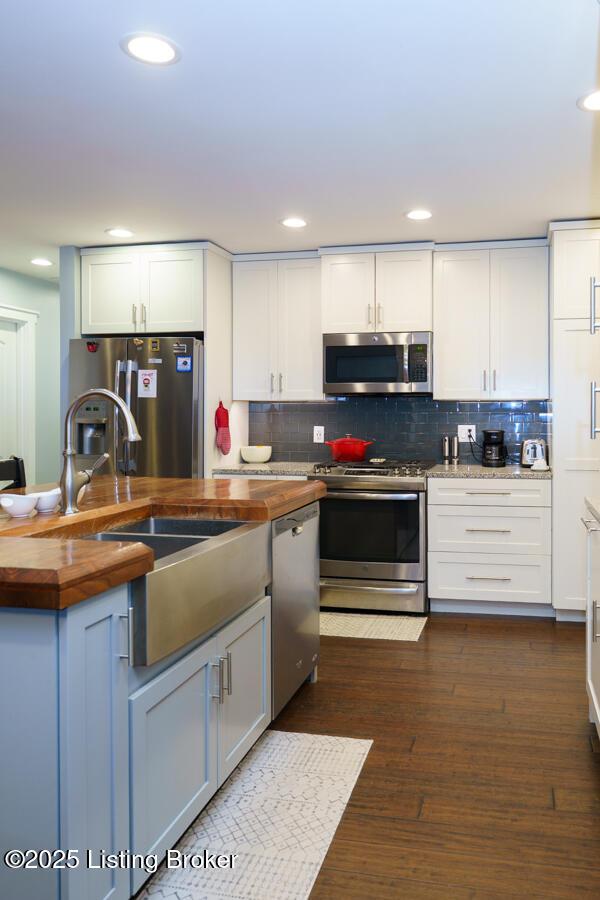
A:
161	380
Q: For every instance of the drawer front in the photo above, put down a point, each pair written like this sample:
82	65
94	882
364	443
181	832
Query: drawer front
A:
476	529
489	491
479	576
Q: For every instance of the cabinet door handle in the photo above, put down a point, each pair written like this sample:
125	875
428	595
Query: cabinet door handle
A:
144	314
280	382
594	389
485	380
272	383
218	665
494	377
369	315
595	634
229	682
487	578
129	654
379	314
489	530
134	314
594	285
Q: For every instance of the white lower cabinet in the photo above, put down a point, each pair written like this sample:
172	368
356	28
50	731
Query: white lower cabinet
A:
592	619
192	724
483	576
489	540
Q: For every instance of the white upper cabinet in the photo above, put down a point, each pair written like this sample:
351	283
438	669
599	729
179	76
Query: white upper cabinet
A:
142	290
404	291
519	324
389	291
300	344
461	324
490	324
576	256
172	294
254	330
277	343
110	293
348	282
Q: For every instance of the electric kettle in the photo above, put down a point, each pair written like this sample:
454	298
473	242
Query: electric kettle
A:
532	450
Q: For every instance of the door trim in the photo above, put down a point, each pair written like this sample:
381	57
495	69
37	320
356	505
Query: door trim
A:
26	322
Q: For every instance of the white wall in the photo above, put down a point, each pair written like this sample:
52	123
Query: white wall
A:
218	366
41	296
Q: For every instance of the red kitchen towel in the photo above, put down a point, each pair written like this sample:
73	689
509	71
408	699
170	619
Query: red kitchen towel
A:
222	426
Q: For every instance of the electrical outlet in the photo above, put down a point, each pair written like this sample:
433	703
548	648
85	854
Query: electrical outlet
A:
464	431
318	434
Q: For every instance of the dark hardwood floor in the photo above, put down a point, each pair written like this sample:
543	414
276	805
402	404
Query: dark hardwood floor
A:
484	776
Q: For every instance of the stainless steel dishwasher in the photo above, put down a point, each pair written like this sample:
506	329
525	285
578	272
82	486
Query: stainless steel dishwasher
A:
295	602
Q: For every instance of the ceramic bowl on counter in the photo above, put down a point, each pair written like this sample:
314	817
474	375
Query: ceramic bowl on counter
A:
259	454
46	501
18	505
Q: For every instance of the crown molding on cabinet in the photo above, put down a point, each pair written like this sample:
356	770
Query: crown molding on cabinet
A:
376	248
510	244
159	248
570	224
275	254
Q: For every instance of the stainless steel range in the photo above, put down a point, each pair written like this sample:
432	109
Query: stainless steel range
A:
373	536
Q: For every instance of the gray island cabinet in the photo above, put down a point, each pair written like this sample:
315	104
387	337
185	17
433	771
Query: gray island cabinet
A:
99	756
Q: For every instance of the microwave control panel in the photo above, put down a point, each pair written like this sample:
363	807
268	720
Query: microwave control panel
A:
417	363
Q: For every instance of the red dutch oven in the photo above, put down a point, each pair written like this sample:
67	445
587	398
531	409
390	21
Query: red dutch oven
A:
348	449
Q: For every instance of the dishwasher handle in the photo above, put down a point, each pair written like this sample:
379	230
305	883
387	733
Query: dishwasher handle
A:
296	521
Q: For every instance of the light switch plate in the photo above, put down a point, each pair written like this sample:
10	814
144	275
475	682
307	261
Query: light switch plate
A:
463	433
318	434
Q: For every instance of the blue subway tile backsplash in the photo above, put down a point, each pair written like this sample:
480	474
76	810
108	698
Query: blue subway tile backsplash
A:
402	427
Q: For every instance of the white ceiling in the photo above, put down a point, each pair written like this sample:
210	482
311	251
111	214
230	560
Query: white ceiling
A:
346	112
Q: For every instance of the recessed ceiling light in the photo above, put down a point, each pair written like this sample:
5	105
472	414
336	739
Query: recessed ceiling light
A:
418	214
119	232
40	261
591	102
293	222
151	48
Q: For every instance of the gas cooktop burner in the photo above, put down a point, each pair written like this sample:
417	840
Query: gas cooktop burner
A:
376	468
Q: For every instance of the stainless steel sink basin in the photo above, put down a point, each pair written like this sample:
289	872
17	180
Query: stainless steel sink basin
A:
163	545
205	573
198	527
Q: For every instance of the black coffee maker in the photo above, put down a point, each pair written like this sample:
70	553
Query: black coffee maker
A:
494	451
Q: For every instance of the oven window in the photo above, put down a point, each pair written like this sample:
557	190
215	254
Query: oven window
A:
345	365
385	531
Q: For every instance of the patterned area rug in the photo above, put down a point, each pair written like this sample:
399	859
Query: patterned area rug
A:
363	625
278	812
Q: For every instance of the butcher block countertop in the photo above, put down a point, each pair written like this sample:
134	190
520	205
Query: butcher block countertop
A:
43	565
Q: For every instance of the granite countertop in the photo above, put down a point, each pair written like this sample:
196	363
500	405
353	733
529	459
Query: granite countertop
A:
269	468
461	470
44	565
475	470
593	504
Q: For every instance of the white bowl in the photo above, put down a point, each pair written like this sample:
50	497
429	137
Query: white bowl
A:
259	454
47	501
18	505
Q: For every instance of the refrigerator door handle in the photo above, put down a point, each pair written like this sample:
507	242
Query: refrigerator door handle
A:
119	367
130	368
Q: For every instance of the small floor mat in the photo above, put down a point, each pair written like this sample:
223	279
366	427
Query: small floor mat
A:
365	625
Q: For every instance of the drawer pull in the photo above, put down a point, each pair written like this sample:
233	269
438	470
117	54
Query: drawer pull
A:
490	493
489	530
488	578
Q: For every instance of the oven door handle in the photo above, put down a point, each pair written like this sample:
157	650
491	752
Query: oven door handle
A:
369	589
367	495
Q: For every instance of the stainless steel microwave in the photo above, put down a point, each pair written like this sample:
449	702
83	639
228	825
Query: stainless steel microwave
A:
386	362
